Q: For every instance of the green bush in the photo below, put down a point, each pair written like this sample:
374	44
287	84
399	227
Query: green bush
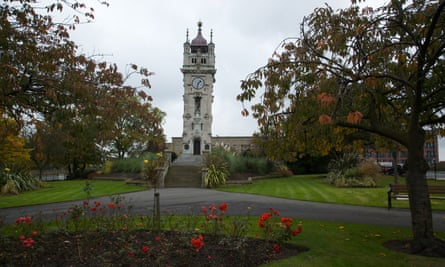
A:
351	170
248	164
17	180
216	176
128	165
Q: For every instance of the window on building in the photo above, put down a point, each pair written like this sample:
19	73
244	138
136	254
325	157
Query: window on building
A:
197	105
203	61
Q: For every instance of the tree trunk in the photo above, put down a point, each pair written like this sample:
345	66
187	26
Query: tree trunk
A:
424	241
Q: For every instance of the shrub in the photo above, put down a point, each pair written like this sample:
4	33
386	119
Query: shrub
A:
283	170
216	176
369	168
351	170
15	181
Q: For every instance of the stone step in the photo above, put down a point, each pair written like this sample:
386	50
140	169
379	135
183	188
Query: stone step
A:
183	176
188	160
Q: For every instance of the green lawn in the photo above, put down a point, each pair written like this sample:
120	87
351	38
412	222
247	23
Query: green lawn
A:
352	245
330	243
59	191
314	188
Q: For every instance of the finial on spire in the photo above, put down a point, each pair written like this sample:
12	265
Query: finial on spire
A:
211	35
199	26
187	36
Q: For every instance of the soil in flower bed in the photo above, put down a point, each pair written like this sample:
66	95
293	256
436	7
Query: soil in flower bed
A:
140	248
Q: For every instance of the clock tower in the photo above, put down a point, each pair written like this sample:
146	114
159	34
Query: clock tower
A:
199	71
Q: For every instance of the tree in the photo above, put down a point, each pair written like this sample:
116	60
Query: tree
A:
12	145
379	71
135	126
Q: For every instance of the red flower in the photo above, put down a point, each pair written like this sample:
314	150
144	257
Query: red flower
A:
296	231
28	242
204	209
145	249
111	206
197	243
223	207
35	233
264	217
93	209
158	239
276	248
97	203
274	212
286	221
85	203
26	219
260	223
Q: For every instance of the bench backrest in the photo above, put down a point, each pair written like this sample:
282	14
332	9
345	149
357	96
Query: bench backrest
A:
402	188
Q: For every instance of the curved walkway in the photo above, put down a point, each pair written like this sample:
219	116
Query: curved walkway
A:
188	201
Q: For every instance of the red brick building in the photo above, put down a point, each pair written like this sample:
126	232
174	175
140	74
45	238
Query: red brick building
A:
430	151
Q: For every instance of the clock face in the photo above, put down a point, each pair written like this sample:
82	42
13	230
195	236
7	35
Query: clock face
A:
198	83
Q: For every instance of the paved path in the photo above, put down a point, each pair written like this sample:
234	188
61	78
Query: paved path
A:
188	201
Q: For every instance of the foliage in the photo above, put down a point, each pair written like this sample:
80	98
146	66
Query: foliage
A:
128	240
61	96
283	171
277	230
217	168
68	190
127	165
12	145
351	170
359	70
215	176
248	164
151	169
237	163
16	180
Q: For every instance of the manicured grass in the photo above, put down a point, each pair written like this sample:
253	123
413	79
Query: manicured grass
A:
59	191
314	188
337	244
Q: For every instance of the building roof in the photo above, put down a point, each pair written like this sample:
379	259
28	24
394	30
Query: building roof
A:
199	39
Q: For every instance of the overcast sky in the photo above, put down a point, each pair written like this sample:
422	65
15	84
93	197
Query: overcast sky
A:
152	33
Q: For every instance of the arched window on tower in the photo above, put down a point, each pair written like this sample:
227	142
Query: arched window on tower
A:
197	105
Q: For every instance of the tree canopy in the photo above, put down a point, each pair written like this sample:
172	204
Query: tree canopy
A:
378	71
48	86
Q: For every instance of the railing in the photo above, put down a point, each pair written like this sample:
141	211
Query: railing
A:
51	175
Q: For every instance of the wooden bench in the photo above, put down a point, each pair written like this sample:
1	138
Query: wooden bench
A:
396	191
